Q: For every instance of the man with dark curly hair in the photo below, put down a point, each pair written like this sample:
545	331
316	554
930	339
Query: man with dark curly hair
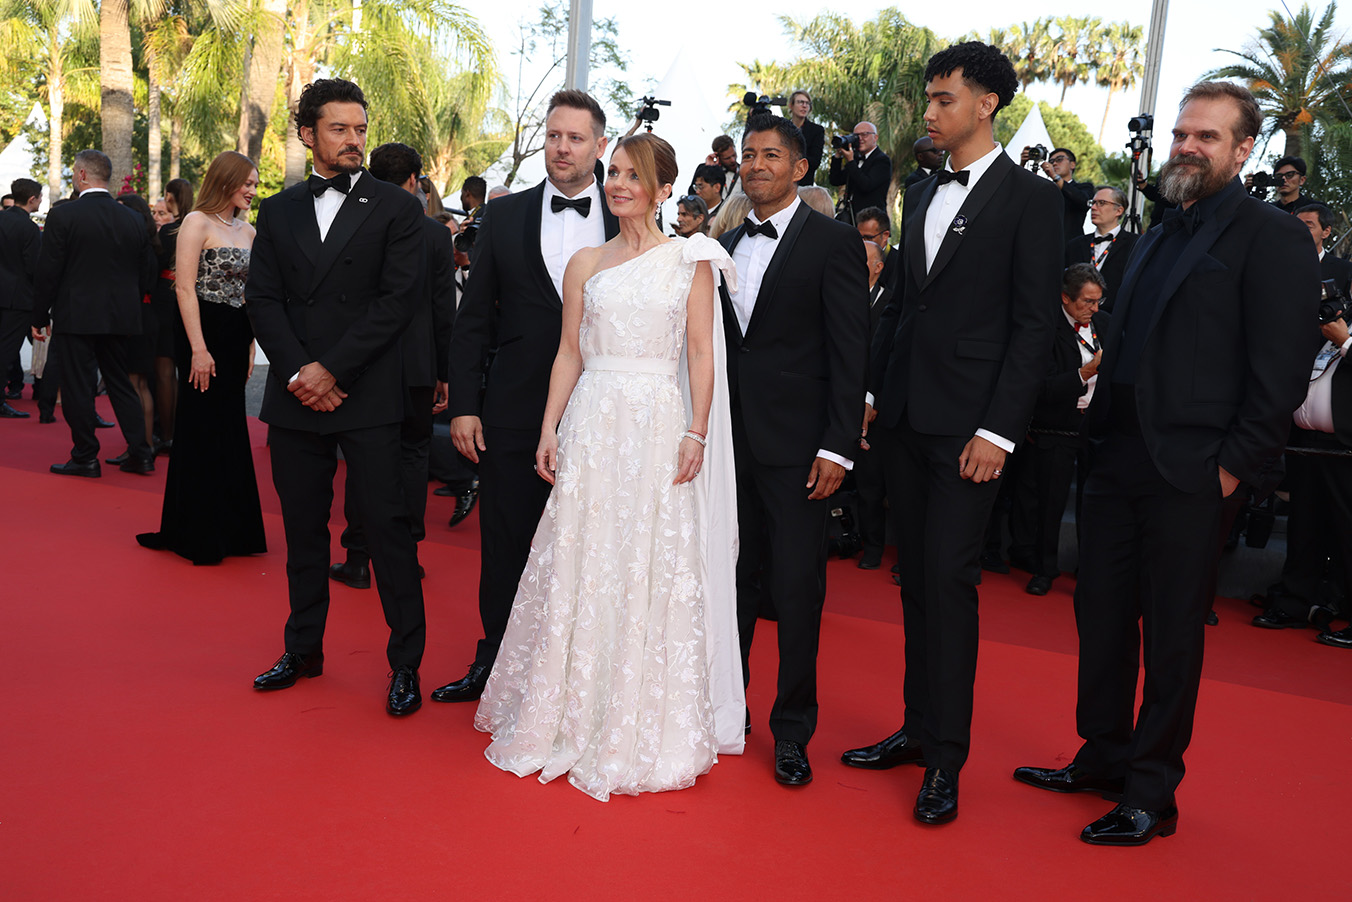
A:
958	357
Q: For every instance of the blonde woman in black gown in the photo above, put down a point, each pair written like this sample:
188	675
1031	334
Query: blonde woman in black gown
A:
211	506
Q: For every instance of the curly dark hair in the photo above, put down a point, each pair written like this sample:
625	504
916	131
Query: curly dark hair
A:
982	65
320	92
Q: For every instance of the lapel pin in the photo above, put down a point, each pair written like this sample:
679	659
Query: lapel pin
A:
361	200
959	224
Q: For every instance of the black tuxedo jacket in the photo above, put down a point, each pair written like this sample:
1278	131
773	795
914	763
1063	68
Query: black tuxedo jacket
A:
94	268
964	346
1075	198
20	240
891	270
1079	250
797	375
344	302
878	305
509	288
427	343
1331	267
867	184
1226	359
917	176
1058	399
815	138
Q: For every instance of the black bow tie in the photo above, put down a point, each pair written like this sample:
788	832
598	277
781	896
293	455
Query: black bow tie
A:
766	228
582	205
318	184
945	176
1176	218
1099	239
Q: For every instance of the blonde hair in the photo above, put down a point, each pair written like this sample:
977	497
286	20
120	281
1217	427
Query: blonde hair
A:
731	213
224	177
817	197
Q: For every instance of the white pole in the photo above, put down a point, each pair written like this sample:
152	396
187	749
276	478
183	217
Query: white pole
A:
579	44
1150	86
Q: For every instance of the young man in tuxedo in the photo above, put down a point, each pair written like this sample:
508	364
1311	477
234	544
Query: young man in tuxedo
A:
20	240
94	269
426	350
800	105
797	333
1108	246
334	276
1206	356
515	290
866	174
959	355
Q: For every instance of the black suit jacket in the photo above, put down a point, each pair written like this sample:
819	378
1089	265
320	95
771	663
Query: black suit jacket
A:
868	183
1331	267
344	302
964	346
94	268
891	270
20	240
1058	399
918	175
427	343
1226	358
508	288
1079	250
1075	198
797	375
815	138
878	305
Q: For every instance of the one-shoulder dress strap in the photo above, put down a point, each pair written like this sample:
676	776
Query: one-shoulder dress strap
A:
700	248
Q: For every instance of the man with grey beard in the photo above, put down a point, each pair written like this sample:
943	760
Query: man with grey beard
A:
1205	358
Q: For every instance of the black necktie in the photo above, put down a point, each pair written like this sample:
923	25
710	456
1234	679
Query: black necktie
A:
582	205
1176	218
318	184
1098	239
945	176
766	228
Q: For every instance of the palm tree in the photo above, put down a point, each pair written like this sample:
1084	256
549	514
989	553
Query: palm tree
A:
1074	51
1297	71
1121	65
1029	48
263	57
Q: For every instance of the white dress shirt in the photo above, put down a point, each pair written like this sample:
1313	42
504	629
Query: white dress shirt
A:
328	204
1316	414
566	232
1099	252
103	190
1085	356
943	209
752	257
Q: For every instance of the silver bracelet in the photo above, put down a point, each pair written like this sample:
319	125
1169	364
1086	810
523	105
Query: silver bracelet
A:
697	437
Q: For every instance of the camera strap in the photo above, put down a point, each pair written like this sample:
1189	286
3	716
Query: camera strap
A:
1324	358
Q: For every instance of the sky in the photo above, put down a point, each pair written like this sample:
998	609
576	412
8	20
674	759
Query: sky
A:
716	37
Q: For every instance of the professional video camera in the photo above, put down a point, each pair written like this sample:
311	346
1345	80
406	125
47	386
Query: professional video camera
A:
1332	304
1142	128
1261	181
760	105
1036	155
469	230
649	112
840	142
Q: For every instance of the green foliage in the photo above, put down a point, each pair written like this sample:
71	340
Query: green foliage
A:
1065	128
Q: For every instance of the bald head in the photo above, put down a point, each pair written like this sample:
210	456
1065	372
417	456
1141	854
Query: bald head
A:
875	262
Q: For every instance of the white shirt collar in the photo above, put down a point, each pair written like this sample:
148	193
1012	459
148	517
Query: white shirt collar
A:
781	219
95	191
977	168
1070	319
1321	253
1112	232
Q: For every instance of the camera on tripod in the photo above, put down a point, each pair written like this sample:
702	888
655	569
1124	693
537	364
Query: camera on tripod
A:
1332	303
1141	128
649	112
759	105
840	142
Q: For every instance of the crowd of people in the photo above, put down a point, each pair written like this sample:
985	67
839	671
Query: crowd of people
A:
656	428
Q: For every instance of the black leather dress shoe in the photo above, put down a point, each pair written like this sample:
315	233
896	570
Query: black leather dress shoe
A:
1274	618
1340	639
791	767
870	562
13	394
45	418
74	467
101	423
289	668
464	503
9	413
991	560
466	690
357	576
895	749
1071	778
937	802
1211	619
1038	585
119	460
404	697
138	466
1127	826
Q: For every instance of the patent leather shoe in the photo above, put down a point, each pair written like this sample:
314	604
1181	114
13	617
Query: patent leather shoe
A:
352	574
9	413
72	467
937	802
46	418
289	668
1274	618
404	697
991	560
120	459
464	690
890	752
1038	585
1127	826
791	767
870	562
464	503
101	423
1071	778
137	465
1340	639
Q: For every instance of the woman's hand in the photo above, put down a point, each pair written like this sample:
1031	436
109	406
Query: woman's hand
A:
203	368
547	456
688	461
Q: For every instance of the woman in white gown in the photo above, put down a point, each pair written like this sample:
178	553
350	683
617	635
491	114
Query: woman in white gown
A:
620	663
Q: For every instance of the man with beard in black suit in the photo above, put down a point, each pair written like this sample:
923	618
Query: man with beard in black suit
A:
1109	245
957	361
20	240
516	287
1206	356
333	280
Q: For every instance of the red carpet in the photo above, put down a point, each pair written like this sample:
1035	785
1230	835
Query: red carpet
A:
138	763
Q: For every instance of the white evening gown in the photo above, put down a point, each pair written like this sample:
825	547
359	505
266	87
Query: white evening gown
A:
620	664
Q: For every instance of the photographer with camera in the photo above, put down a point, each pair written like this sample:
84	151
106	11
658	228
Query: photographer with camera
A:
864	170
800	104
1059	166
1320	220
724	156
473	194
1288	177
1109	245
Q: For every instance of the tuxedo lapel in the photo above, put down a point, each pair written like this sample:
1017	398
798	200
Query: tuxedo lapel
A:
304	225
353	212
783	250
976	199
730	322
915	231
1196	248
530	243
1122	303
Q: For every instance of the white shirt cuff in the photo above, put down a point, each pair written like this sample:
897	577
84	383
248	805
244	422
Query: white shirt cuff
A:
999	441
293	378
868	398
1346	346
835	458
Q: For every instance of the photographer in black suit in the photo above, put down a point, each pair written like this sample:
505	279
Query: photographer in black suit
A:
20	240
1206	356
94	269
800	104
334	277
1108	246
864	170
1042	483
515	289
957	361
1321	221
1060	168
